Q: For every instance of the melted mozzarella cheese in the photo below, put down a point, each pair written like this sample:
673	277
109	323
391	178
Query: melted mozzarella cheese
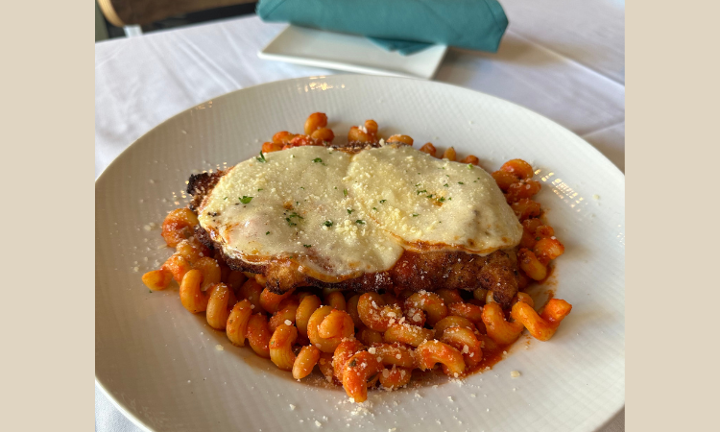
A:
427	202
340	215
301	209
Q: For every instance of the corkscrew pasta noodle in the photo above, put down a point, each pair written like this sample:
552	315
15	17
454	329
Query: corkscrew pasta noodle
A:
281	346
305	362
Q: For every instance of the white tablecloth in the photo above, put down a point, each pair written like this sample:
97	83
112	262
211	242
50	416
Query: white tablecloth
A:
561	58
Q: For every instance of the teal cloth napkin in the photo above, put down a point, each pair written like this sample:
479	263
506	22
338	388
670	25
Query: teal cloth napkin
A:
401	46
403	25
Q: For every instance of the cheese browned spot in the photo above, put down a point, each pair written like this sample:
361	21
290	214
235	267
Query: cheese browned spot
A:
340	215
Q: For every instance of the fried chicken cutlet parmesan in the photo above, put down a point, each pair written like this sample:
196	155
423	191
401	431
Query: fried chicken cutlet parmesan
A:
363	218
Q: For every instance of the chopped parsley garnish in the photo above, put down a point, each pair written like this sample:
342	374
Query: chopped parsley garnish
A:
345	192
302	188
446	185
461	183
421	191
470	166
224	198
267	233
374	208
537	238
150	291
307	246
245	199
349	211
328	223
292	215
382	201
450	198
415	215
418	185
318	160
259	190
430	196
442	199
362	222
261	158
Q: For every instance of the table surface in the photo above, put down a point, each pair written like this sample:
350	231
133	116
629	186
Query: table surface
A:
561	58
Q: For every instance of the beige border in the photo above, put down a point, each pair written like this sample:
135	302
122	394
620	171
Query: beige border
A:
672	153
48	260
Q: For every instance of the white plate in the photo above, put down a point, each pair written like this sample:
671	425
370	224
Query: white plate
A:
350	53
160	364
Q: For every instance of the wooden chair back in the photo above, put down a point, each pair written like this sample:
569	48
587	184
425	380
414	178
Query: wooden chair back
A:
123	13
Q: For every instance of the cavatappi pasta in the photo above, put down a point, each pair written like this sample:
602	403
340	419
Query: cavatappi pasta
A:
364	340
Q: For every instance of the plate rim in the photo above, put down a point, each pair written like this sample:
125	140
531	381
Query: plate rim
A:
120	407
616	171
351	75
